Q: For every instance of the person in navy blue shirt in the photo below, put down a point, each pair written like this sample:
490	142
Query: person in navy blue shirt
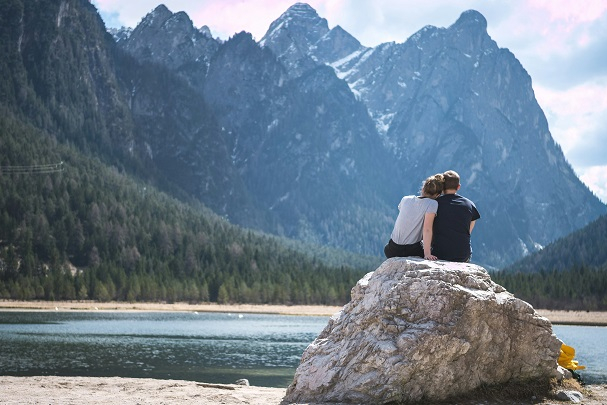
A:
455	219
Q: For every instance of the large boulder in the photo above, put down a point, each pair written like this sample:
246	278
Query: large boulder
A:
420	330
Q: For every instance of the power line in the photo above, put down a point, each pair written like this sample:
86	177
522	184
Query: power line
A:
33	169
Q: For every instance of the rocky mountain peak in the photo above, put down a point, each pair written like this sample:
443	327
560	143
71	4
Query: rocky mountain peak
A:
152	23
471	20
302	40
181	17
206	31
335	45
302	11
242	40
156	17
171	39
301	22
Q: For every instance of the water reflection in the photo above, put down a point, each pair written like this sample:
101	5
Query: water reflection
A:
219	348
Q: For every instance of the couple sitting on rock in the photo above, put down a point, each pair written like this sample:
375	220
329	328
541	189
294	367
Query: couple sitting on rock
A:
434	226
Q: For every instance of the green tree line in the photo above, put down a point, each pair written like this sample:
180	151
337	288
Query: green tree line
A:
586	246
578	288
570	273
92	232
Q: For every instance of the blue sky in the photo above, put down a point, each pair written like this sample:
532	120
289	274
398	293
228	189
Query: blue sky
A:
561	43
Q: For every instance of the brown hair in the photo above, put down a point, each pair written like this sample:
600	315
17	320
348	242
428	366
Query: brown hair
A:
451	180
433	185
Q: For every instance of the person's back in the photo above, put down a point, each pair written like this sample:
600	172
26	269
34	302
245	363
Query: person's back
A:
414	222
410	220
454	222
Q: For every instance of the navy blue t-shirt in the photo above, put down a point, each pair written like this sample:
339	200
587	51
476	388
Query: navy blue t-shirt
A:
451	231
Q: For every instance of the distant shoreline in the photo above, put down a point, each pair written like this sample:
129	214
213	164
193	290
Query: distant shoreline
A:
582	318
305	310
587	318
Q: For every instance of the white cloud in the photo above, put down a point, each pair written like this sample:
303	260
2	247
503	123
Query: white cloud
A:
577	120
595	177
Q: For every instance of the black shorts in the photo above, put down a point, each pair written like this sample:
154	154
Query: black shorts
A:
393	249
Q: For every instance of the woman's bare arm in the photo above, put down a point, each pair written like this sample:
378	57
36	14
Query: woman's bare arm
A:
427	235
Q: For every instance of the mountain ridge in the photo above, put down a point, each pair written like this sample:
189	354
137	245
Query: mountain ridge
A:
446	98
289	142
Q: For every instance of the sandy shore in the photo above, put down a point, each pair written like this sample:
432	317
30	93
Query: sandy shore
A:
575	317
123	391
126	391
556	317
311	310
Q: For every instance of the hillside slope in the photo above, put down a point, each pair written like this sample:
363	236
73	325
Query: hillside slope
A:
84	230
585	247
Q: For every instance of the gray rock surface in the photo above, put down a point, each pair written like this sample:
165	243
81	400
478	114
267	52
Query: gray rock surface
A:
562	373
172	40
419	330
572	396
242	381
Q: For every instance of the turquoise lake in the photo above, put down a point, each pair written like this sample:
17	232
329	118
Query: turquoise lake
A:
209	347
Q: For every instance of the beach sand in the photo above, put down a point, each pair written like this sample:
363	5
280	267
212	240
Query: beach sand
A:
595	318
125	391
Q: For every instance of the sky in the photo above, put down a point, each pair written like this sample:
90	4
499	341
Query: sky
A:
561	43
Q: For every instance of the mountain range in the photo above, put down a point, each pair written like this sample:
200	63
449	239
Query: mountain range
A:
327	134
305	133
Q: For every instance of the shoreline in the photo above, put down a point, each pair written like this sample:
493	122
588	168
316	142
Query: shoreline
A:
556	317
577	318
124	390
302	310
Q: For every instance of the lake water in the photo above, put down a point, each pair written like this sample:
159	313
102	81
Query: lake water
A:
590	344
209	347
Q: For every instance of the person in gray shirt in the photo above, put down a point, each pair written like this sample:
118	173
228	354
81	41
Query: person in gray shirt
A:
414	222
